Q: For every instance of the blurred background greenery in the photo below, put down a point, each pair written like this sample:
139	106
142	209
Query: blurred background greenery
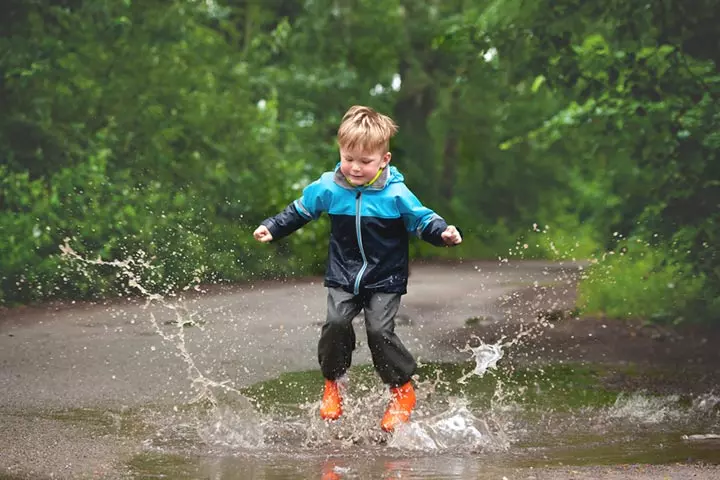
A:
556	129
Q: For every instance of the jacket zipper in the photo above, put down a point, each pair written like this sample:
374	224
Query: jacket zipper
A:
358	204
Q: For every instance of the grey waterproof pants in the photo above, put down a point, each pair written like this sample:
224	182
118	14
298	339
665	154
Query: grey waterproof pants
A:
392	361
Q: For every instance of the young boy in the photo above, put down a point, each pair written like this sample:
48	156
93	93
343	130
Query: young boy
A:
372	213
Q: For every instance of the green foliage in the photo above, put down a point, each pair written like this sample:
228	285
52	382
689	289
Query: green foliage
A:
565	240
641	121
642	281
103	216
174	127
150	147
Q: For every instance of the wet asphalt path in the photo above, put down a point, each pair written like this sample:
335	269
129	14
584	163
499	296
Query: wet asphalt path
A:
56	361
111	355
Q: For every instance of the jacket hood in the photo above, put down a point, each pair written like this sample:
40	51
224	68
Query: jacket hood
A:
395	175
389	175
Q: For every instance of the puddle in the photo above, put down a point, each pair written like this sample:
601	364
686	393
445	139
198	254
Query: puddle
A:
558	415
483	428
480	419
471	436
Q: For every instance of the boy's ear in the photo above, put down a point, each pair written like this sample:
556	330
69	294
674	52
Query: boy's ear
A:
386	159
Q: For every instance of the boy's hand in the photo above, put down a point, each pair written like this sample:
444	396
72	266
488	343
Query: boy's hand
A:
451	236
262	234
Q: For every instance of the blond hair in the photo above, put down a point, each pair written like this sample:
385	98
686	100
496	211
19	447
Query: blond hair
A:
365	128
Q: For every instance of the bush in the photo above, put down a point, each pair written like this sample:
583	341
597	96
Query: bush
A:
113	217
641	281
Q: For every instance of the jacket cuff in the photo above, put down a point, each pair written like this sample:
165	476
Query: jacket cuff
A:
272	228
433	231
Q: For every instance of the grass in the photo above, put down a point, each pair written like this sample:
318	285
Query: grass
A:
561	386
639	282
164	465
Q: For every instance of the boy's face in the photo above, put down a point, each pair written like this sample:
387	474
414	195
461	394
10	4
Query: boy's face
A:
360	166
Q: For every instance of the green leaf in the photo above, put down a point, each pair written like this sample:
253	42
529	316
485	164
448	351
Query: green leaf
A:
537	83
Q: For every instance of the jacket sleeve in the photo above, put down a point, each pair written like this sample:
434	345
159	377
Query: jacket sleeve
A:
308	207
419	219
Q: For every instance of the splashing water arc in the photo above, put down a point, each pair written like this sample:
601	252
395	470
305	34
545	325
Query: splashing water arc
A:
247	428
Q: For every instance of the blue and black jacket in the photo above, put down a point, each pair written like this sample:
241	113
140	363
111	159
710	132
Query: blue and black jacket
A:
370	228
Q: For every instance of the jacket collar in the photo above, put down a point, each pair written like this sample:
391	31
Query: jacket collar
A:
379	183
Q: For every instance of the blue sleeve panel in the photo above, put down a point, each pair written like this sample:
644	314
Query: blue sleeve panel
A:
316	197
419	219
308	207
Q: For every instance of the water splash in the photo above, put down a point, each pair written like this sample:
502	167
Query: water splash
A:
486	357
706	403
174	331
457	428
232	428
645	409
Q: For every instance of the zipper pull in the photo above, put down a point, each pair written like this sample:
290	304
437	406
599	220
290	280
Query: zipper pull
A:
358	194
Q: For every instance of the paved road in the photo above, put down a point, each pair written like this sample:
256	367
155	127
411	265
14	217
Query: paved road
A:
105	356
111	355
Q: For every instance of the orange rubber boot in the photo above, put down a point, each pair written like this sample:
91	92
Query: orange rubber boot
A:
331	407
400	408
329	473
